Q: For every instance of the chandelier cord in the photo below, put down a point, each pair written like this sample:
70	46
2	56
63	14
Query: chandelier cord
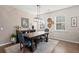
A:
38	11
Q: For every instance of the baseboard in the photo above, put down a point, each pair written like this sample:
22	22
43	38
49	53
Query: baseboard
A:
65	40
5	44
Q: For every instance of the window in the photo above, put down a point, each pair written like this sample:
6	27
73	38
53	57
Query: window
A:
60	23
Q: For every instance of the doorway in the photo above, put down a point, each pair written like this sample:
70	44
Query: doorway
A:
35	23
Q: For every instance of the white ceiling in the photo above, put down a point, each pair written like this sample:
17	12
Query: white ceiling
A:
43	8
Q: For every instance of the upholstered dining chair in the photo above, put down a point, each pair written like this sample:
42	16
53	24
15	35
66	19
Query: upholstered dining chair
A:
24	41
46	30
44	37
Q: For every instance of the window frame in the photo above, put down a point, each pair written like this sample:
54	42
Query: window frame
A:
63	22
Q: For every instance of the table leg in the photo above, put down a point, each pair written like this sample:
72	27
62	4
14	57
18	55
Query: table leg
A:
36	43
46	37
33	47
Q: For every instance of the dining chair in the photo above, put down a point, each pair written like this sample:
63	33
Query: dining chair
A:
24	41
46	30
44	36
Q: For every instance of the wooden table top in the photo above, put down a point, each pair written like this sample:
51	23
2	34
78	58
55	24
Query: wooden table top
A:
34	34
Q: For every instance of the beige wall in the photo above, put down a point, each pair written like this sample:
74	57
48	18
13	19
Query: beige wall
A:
10	17
71	33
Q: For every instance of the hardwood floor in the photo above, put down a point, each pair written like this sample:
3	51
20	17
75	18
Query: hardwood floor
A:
2	48
62	47
66	47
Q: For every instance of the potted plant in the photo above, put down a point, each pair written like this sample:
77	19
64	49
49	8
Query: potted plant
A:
13	38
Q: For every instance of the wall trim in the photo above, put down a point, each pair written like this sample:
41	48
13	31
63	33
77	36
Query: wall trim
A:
5	44
65	40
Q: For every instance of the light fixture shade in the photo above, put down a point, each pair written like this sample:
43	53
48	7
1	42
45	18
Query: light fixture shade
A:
38	13
39	18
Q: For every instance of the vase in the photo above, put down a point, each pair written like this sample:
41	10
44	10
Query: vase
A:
13	40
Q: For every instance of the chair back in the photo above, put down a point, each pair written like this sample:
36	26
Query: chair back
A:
46	30
21	37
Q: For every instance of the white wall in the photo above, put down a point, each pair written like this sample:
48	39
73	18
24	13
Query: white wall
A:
9	18
71	33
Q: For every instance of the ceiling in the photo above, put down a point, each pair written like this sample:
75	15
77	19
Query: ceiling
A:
43	8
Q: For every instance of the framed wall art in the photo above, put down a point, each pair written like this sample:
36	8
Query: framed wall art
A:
50	22
24	22
74	21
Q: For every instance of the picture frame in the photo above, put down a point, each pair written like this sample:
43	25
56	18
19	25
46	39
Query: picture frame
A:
74	21
24	22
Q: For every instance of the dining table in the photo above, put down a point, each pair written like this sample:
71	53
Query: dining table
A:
33	36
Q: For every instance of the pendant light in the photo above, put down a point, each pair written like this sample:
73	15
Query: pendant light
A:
38	12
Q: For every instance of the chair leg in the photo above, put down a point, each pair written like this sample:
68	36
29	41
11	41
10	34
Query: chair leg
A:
23	48
20	46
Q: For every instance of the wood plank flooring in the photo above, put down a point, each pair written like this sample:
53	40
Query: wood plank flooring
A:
62	47
66	47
